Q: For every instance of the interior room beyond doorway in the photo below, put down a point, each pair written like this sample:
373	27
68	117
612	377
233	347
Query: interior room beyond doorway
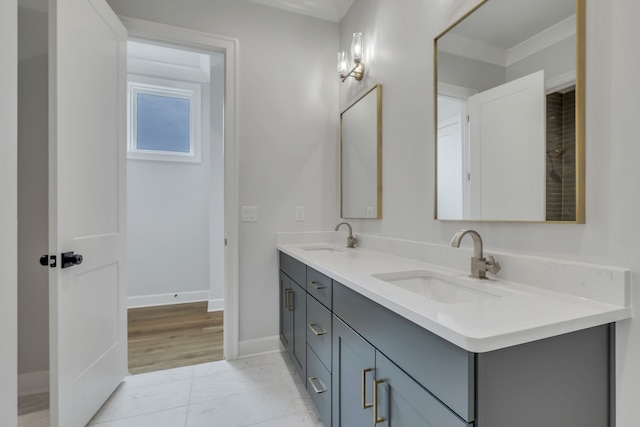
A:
175	207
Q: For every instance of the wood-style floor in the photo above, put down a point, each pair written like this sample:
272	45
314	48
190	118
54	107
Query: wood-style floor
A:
172	336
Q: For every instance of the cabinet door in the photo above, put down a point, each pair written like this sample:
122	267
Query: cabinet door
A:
299	327
286	330
352	378
399	401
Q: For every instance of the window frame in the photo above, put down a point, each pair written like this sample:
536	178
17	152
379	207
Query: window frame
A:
167	88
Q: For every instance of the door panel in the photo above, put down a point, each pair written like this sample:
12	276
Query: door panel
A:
88	336
402	402
507	130
353	357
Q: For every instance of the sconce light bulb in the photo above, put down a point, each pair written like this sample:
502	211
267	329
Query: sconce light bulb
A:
343	65
357	48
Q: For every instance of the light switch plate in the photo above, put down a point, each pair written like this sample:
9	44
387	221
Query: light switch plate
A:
299	213
249	214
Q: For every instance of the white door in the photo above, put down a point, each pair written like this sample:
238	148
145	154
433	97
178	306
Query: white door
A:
507	131
87	84
451	173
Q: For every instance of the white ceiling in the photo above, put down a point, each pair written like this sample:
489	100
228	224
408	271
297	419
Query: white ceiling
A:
329	10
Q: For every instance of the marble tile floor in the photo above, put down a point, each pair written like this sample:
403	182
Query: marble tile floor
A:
261	391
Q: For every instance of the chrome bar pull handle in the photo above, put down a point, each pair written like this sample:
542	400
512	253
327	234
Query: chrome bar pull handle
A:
365	405
288	304
317	285
315	387
317	332
376	418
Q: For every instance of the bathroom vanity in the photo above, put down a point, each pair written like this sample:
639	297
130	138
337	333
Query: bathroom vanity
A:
374	352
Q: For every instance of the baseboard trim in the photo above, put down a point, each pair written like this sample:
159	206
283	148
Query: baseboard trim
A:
167	299
258	346
216	305
33	382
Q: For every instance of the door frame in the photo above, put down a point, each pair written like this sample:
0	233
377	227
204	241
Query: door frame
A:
182	37
9	212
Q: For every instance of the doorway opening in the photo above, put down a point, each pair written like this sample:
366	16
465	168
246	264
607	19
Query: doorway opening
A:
175	205
34	372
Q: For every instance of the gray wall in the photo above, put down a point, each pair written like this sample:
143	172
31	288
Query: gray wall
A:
403	50
287	132
555	60
469	73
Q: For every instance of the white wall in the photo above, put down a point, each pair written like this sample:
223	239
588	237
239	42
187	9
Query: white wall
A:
8	211
33	146
287	132
555	60
176	210
469	73
168	219
168	224
403	64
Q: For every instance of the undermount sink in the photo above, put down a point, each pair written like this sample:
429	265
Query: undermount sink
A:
442	288
322	248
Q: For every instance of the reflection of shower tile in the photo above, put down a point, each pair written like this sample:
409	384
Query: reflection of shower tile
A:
561	171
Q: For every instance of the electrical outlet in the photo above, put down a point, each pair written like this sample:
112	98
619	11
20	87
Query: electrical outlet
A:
299	213
249	214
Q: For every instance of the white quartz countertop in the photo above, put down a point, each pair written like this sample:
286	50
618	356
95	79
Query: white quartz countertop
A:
520	314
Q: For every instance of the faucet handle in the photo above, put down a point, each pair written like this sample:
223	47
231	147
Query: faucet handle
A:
493	266
352	241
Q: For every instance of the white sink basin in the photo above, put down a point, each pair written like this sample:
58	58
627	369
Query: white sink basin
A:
443	288
322	248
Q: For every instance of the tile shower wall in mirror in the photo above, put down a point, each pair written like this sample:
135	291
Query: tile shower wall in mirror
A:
561	156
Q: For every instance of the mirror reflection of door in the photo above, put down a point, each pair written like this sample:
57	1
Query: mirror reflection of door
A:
452	169
498	43
507	137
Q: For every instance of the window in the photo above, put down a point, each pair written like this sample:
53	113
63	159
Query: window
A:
164	120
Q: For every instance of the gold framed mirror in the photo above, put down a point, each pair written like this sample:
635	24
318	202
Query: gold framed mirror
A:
361	157
509	94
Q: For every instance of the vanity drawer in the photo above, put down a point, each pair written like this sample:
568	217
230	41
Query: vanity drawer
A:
320	286
446	370
319	386
293	268
319	330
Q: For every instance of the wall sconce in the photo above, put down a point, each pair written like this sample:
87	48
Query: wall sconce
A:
357	50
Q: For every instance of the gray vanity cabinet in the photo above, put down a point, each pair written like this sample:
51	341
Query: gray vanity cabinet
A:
360	360
293	317
369	389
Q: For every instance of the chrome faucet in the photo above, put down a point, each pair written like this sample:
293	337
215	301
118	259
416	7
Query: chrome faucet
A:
479	265
351	239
